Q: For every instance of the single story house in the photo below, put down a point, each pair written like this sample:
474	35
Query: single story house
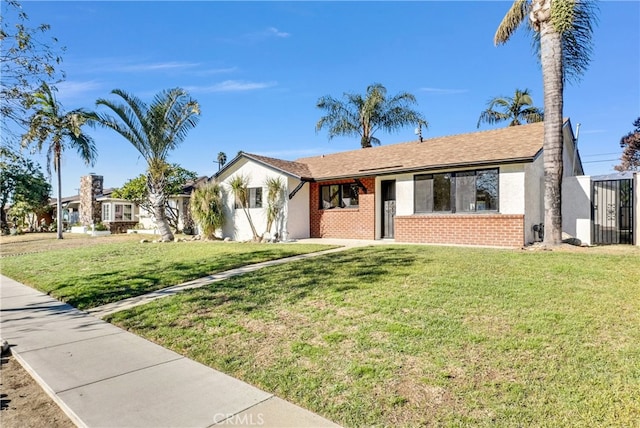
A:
94	204
480	188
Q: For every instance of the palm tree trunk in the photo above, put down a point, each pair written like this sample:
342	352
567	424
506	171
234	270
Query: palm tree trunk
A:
157	199
56	161
552	76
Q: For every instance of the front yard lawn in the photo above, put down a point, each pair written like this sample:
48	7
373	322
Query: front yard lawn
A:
424	336
108	270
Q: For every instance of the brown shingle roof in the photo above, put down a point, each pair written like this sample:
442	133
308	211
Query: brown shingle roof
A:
296	169
511	144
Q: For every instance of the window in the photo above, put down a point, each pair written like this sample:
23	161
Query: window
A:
255	198
106	212
123	212
339	196
465	191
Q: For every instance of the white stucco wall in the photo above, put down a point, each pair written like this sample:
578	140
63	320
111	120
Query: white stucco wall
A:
404	197
297	210
511	186
534	198
237	225
576	207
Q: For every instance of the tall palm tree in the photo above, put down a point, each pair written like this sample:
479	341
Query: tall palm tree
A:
563	32
154	130
363	116
517	110
50	125
222	159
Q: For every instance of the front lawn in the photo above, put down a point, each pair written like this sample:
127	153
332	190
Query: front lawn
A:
108	269
424	336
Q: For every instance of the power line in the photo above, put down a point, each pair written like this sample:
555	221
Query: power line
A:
600	161
599	154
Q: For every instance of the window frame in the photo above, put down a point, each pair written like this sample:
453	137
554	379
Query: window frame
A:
252	193
123	212
338	195
455	196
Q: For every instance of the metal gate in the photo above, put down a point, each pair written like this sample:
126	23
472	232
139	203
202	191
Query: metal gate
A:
612	211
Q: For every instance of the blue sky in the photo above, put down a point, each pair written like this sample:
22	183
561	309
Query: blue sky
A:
258	68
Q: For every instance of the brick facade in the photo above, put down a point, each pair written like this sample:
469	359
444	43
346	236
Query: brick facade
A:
502	230
120	226
349	223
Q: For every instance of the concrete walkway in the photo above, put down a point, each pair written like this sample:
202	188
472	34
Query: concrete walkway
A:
103	376
110	308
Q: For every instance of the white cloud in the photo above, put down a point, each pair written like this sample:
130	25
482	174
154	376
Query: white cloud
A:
217	71
71	90
232	86
273	31
158	66
444	91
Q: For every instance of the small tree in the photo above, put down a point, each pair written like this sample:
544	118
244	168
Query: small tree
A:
240	189
137	191
207	208
630	143
275	201
21	180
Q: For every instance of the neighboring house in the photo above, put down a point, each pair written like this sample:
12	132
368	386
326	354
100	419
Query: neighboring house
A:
481	188
94	204
178	207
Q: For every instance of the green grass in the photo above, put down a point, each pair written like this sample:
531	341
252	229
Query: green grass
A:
108	271
433	336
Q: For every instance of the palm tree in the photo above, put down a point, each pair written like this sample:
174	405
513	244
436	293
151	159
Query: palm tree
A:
516	110
240	188
207	208
50	124
562	32
222	159
275	201
154	130
363	116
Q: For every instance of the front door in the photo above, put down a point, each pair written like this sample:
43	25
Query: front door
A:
388	208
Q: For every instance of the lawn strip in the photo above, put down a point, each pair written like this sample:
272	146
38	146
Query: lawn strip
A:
407	336
95	275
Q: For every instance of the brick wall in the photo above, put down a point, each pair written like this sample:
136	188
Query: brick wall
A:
503	230
349	223
120	226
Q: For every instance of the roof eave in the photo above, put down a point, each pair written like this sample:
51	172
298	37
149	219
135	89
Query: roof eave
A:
527	159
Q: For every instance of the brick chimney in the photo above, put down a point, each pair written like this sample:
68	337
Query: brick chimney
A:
90	209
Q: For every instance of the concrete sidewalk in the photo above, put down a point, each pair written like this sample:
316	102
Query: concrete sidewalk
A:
103	376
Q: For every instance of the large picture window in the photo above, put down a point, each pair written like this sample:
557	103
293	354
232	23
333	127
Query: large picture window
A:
339	196
465	191
123	212
254	195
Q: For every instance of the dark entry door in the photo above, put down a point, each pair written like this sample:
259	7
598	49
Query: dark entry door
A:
612	215
388	208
